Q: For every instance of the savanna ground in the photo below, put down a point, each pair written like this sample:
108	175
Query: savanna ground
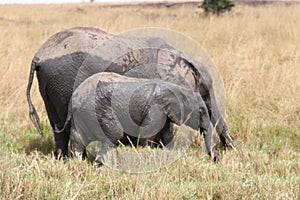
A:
257	52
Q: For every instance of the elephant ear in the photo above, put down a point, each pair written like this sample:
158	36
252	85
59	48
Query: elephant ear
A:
211	88
166	98
177	102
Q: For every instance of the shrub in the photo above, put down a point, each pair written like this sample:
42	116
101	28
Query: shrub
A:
216	6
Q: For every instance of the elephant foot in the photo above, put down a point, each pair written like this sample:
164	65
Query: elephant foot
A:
57	154
79	155
98	161
60	154
214	156
105	147
216	159
61	145
98	164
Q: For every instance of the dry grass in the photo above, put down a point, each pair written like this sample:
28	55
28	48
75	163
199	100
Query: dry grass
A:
258	55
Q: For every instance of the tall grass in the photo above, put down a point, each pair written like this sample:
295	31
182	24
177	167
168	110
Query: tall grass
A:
257	52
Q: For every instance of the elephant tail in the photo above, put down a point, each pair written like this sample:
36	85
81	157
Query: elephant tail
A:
32	112
68	119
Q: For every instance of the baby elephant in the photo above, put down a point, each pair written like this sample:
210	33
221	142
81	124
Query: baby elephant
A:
111	108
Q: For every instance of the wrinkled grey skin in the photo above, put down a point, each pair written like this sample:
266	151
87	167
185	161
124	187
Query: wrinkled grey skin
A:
116	107
63	56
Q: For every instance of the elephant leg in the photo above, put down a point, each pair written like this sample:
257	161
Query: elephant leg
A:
77	146
108	121
226	139
166	135
220	124
143	142
111	127
106	145
61	140
223	132
210	144
61	145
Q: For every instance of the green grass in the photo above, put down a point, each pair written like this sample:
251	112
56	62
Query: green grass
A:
266	167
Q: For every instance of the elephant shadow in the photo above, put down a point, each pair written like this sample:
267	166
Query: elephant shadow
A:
41	143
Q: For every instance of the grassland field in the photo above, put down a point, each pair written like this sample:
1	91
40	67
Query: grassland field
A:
257	53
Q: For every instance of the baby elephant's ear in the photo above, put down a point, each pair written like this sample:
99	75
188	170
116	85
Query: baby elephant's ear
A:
171	101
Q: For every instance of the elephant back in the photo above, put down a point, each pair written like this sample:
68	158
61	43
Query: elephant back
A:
67	42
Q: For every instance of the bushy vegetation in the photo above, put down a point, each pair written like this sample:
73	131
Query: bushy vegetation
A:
216	6
256	50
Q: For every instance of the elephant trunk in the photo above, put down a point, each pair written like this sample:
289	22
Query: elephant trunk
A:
220	125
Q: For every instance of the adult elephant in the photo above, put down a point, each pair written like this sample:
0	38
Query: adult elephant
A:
67	58
109	108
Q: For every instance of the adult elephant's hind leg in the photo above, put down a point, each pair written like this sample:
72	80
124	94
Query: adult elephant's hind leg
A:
61	140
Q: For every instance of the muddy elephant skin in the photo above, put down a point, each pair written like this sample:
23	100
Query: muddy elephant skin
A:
67	58
109	107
